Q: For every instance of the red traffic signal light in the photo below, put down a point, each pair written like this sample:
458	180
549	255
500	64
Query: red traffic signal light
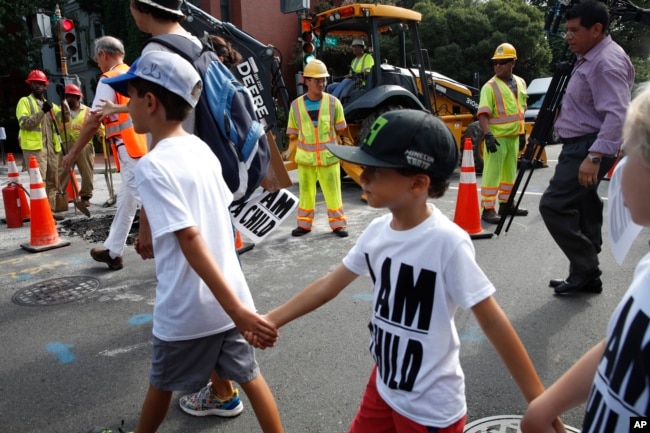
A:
68	37
67	25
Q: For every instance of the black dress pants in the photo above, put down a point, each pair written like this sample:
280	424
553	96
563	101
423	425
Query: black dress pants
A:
573	214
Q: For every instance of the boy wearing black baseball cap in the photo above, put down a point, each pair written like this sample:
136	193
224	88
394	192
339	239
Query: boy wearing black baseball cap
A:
423	269
202	299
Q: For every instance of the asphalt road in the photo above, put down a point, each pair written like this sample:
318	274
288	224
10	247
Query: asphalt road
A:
66	368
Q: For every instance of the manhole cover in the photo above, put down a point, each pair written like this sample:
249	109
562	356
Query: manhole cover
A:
56	291
501	424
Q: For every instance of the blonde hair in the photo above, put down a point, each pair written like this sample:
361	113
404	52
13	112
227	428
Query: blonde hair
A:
636	129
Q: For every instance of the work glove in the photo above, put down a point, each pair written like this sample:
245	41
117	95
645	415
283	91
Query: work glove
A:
522	142
491	143
47	106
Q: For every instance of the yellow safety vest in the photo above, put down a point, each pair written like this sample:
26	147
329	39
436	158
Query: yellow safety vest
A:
74	125
506	113
362	64
312	140
32	139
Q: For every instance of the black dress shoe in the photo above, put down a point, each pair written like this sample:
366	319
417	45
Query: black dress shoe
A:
580	283
594	286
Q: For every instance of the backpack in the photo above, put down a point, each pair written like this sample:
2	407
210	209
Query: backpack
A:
225	118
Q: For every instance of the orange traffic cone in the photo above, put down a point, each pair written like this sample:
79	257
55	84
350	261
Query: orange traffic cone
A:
70	190
468	212
14	177
239	244
42	230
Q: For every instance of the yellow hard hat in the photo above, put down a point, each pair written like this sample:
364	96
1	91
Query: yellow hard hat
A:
505	51
315	69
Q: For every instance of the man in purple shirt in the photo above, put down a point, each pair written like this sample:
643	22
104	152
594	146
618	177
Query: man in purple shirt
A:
589	125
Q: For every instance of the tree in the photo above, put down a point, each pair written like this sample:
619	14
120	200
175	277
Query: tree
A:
463	35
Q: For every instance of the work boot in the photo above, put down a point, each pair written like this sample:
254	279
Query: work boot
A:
299	231
490	216
341	232
103	255
518	211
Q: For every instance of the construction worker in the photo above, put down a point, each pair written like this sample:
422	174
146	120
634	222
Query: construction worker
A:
501	115
359	67
37	135
127	148
316	120
76	114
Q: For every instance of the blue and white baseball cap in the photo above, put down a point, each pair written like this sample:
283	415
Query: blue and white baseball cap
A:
166	69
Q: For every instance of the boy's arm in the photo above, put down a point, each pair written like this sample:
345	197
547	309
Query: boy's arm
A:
144	242
313	296
198	256
570	390
308	299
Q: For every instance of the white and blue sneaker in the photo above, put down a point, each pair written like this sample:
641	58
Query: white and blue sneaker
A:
205	403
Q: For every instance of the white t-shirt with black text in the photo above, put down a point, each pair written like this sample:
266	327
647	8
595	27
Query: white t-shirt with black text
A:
420	277
621	387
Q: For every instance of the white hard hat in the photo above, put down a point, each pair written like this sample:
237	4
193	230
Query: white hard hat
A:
358	41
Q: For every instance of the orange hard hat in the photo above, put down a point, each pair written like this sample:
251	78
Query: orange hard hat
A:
72	89
37	75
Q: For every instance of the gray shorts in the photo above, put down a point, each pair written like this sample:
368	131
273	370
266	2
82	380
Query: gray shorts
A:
186	365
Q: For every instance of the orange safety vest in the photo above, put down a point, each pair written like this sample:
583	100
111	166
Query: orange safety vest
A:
136	144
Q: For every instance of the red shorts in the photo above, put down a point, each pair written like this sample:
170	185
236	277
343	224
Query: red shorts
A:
375	416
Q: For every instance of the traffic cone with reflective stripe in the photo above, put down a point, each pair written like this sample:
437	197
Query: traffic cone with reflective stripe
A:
468	212
14	177
42	230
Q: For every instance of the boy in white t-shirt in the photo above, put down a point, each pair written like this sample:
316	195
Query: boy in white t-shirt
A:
613	377
423	268
202	299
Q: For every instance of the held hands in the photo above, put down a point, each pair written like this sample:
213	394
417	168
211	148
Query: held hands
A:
47	106
256	329
491	143
262	341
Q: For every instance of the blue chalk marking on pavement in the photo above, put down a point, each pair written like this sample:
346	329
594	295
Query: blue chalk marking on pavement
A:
363	297
61	351
140	319
472	333
24	277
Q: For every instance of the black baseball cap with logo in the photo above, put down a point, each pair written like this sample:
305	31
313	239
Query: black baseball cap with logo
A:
407	139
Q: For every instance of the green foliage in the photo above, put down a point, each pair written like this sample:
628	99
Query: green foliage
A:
461	37
118	22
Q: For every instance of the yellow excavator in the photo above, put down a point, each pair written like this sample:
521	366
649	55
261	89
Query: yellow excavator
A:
385	87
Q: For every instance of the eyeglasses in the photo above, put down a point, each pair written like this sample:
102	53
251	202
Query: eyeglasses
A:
502	62
319	80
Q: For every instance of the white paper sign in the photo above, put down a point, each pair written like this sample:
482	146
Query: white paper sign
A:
622	230
263	213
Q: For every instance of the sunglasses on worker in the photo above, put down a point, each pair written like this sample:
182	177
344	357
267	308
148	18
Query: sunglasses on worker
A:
502	62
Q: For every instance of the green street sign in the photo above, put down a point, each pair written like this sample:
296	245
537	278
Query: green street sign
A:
331	41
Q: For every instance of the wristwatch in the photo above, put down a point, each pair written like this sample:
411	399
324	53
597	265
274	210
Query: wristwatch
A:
594	158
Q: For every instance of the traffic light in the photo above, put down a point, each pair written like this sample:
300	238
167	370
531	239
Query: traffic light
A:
69	39
307	38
